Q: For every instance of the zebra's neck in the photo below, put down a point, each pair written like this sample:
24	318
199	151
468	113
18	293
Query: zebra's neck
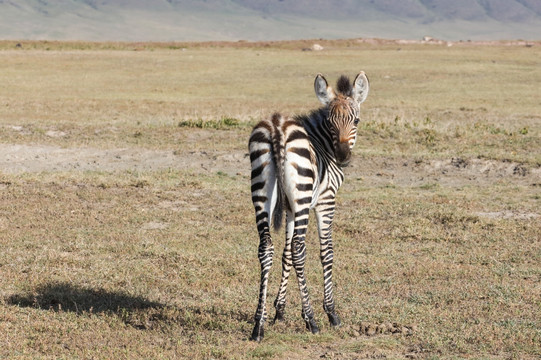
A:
318	131
316	125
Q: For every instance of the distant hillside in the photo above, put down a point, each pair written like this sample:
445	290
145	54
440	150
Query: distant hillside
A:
185	20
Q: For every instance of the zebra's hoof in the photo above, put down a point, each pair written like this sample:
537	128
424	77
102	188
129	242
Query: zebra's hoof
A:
334	319
257	333
311	325
279	317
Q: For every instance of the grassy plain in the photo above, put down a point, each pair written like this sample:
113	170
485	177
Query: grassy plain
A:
438	223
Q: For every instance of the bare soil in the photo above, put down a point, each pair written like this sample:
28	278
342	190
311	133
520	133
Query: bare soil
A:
373	170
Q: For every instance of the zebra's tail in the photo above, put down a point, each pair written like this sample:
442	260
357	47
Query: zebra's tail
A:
278	151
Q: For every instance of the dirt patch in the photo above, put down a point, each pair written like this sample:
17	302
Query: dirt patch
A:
56	134
373	171
154	225
446	172
39	158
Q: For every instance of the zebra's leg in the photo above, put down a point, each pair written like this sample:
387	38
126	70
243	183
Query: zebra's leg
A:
265	254
324	215
264	197
287	262
298	247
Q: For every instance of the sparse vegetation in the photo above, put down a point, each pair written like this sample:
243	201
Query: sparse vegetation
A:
127	231
223	123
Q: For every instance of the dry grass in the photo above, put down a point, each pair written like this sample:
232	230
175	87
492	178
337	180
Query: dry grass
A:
445	97
162	264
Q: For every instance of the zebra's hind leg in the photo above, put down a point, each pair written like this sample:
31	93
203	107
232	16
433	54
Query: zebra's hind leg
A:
299	259
324	215
263	201
264	197
287	263
265	254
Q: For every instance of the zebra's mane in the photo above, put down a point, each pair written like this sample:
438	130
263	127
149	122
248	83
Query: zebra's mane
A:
343	86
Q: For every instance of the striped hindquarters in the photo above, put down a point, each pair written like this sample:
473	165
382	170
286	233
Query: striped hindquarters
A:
283	170
266	157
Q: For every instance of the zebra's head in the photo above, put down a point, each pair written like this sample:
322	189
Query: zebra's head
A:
343	111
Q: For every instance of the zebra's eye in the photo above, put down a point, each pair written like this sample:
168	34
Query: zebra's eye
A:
356	121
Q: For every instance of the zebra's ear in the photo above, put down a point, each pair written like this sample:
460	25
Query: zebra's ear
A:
360	87
324	92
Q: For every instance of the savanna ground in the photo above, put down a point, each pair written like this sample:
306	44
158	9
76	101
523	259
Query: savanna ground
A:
127	230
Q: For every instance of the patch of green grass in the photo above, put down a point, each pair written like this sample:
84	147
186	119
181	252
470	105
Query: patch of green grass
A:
223	123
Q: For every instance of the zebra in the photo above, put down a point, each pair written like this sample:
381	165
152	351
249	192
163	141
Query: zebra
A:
297	166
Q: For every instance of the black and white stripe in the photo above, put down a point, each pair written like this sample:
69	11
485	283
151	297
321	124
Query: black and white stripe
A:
297	166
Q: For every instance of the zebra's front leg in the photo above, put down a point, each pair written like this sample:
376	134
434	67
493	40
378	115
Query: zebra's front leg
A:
265	254
299	260
324	216
287	262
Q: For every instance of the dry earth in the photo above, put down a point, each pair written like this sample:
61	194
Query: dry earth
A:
373	171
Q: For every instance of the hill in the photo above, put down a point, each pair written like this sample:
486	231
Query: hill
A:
185	20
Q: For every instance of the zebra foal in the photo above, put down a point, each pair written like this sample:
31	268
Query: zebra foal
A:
297	166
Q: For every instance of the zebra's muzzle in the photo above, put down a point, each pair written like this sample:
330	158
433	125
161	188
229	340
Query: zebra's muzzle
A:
343	154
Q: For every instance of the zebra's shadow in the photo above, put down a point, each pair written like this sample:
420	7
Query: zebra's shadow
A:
67	297
73	298
134	311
